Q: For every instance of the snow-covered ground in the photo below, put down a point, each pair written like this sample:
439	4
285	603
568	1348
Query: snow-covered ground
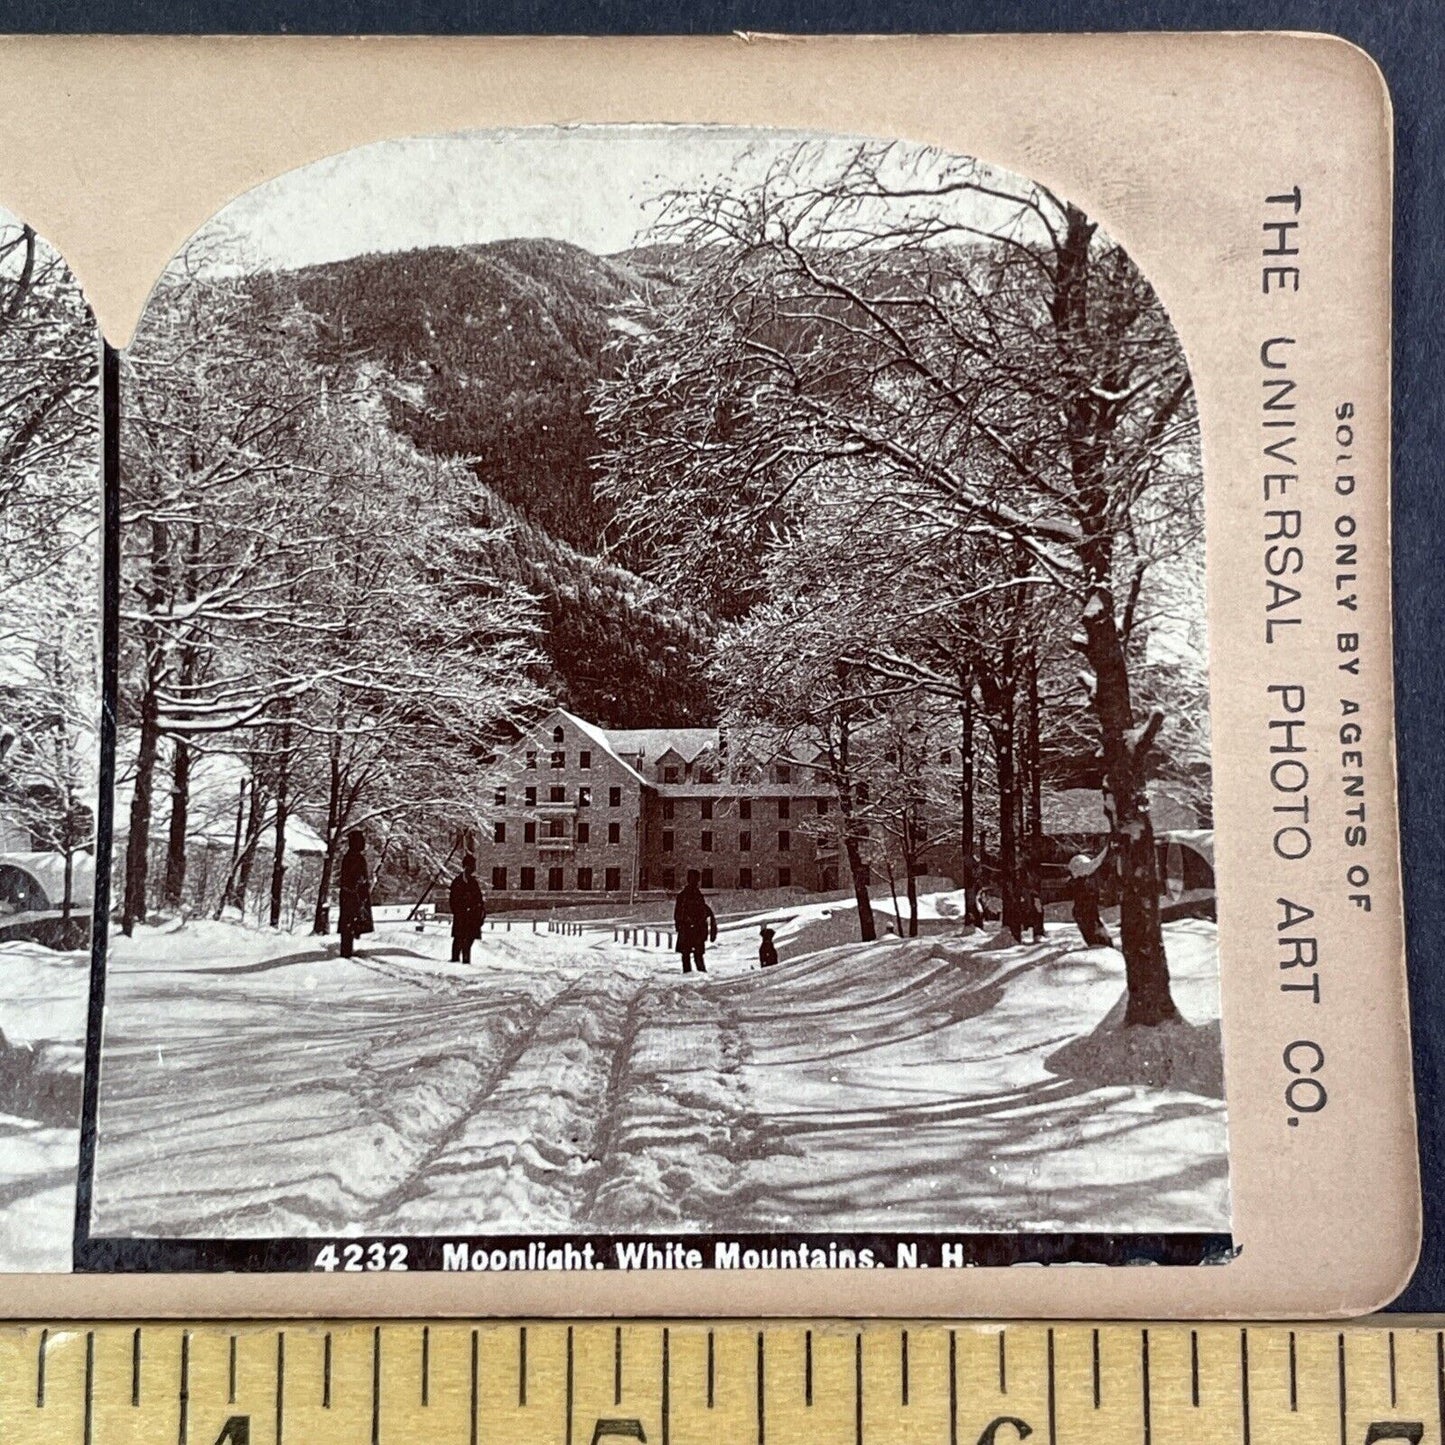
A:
255	1084
42	1020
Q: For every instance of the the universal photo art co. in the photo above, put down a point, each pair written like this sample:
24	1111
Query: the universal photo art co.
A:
662	720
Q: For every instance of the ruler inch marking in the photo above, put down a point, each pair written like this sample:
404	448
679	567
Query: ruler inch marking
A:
1098	1383
135	1368
231	1373
1144	1378
1344	1398
617	1365
280	1386
762	1400
569	1385
184	1423
953	1387
858	1388
1194	1367
808	1368
522	1367
472	1436
89	1428
1002	1363
1053	1402
376	1385
1392	1369
40	1370
426	1364
711	1370
1293	1375
903	1368
1244	1383
666	1388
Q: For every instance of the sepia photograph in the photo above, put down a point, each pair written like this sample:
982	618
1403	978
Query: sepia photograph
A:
50	604
663	690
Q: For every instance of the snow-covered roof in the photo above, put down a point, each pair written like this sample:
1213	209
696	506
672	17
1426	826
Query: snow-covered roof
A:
602	739
651	743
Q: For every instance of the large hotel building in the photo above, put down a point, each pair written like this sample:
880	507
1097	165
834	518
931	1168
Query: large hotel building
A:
586	810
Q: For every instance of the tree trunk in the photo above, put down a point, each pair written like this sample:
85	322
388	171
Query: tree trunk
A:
1035	803
910	865
320	918
972	913
175	884
867	929
278	845
1131	833
138	839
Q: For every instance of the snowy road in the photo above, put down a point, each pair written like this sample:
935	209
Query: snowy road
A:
580	1084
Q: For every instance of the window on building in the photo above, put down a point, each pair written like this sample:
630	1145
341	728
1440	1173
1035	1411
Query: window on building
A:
584	797
785	877
529	832
704	774
613	877
706	841
671	775
499	832
785	807
584	758
822	807
531	797
614	797
614	832
669	809
669	879
554	880
782	773
531	757
745	842
745	877
667	840
556	828
500	798
499	878
528	883
584	880
558	736
584	832
707	878
745	808
707	807
785	841
559	758
557	793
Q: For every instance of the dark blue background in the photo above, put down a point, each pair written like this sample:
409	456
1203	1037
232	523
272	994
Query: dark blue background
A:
1407	38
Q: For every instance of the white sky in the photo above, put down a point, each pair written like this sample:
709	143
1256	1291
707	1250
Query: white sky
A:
588	185
591	185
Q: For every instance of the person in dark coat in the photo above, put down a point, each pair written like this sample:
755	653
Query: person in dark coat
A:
767	949
469	910
695	923
354	893
1085	874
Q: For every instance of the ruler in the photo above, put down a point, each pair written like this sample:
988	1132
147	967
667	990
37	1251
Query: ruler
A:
682	1383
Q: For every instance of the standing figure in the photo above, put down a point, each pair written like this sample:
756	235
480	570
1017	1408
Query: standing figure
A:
354	893
767	949
1085	873
695	922
469	910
